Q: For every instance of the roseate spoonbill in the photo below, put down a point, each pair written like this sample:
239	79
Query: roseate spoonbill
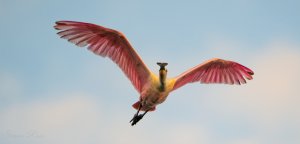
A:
153	89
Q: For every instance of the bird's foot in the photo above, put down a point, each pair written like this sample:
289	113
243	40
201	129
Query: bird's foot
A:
136	118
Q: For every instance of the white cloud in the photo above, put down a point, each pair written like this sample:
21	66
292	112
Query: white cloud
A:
267	107
78	119
51	121
270	102
187	133
245	141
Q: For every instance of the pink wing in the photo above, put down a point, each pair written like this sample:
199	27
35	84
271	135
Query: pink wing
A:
107	43
215	71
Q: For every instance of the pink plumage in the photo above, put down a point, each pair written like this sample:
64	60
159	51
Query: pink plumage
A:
153	89
106	43
215	71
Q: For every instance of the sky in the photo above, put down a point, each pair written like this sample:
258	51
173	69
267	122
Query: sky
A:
51	91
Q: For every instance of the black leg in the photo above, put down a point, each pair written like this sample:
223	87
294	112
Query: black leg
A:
144	113
136	114
136	118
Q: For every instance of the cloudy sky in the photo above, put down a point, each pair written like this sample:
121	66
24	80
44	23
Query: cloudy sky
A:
54	92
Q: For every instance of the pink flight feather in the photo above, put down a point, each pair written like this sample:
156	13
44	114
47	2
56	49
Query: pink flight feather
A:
107	43
113	44
215	71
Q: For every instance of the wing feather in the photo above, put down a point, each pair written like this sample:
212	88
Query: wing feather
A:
107	43
215	71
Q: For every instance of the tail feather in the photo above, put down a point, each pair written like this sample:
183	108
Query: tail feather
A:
137	105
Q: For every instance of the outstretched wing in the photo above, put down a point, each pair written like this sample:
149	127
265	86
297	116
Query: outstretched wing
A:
215	71
107	43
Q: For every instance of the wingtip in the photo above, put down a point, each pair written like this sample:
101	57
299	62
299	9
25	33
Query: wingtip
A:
60	23
63	22
57	23
56	27
251	73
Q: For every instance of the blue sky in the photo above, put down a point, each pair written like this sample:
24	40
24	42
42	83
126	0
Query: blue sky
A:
54	92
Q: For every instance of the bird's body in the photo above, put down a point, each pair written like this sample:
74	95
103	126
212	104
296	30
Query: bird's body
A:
153	92
153	88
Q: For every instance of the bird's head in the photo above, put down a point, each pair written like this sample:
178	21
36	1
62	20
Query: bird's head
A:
162	65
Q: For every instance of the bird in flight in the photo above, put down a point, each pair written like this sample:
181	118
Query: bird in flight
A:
153	89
